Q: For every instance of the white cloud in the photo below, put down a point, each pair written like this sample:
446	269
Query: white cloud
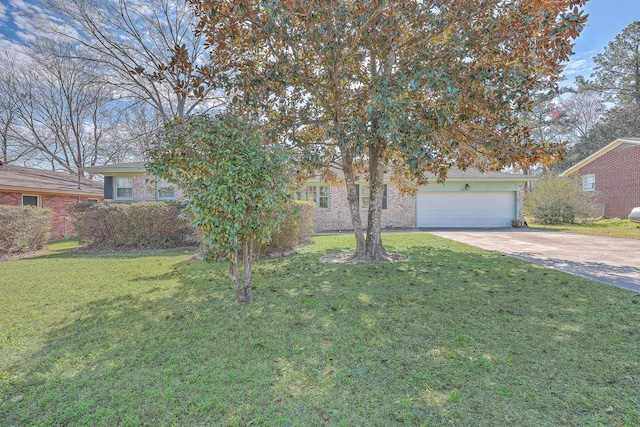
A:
3	13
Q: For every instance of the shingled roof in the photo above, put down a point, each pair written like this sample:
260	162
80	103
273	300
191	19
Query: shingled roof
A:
16	178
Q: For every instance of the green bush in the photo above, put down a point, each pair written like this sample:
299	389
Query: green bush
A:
305	221
23	229
296	229
556	200
143	225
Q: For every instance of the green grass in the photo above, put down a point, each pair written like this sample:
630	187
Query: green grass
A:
455	336
612	227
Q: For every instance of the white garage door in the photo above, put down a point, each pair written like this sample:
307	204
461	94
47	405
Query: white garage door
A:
466	209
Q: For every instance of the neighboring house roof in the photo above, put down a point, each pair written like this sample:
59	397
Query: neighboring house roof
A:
132	167
16	178
617	144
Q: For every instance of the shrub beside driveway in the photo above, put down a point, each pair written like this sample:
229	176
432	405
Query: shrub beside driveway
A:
453	336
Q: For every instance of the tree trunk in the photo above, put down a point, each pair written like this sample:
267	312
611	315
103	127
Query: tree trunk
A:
374	249
242	289
354	205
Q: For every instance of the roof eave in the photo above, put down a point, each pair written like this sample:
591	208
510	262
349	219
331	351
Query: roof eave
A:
618	142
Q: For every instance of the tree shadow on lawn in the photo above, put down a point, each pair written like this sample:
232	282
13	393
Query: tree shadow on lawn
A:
445	338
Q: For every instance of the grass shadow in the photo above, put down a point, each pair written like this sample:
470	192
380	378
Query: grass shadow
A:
453	336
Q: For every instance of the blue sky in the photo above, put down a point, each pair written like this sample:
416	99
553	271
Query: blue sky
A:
607	19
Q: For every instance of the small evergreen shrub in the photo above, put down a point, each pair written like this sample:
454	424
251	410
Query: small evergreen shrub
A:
556	200
305	221
143	225
23	229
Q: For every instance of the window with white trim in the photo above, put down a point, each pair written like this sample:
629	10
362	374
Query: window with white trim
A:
165	190
123	188
364	196
314	193
588	183
363	192
30	200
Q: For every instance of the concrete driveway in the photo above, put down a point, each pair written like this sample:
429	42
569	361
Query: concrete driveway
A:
605	259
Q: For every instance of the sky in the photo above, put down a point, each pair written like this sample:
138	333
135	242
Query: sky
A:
607	18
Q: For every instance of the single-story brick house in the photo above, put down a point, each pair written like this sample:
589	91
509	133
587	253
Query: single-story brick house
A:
467	199
613	173
20	186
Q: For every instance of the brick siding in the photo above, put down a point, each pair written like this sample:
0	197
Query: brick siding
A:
400	212
60	227
617	175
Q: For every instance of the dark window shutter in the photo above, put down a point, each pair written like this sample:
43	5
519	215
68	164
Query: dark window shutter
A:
108	187
384	197
358	196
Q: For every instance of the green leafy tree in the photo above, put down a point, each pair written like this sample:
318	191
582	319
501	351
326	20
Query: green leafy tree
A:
403	87
232	182
622	121
617	69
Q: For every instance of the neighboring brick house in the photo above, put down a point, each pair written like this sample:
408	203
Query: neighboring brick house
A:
467	199
21	186
613	174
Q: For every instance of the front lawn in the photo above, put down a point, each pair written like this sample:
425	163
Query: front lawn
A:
454	336
611	227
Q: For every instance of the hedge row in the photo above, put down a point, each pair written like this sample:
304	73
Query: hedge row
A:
161	225
143	225
23	229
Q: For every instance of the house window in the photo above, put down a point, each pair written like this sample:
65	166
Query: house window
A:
28	200
588	183
319	194
92	200
165	190
363	196
124	188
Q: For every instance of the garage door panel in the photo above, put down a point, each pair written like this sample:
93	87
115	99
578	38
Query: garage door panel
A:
465	209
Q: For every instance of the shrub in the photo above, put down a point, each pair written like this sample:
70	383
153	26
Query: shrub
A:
305	221
143	225
23	229
556	200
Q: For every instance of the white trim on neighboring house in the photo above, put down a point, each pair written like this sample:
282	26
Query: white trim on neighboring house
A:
589	182
30	195
615	144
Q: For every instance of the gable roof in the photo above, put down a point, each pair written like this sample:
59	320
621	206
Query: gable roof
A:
17	178
618	143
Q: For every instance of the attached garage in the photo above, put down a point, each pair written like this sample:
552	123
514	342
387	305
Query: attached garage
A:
462	209
470	199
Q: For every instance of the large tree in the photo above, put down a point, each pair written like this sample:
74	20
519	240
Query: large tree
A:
145	49
405	87
617	69
61	113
